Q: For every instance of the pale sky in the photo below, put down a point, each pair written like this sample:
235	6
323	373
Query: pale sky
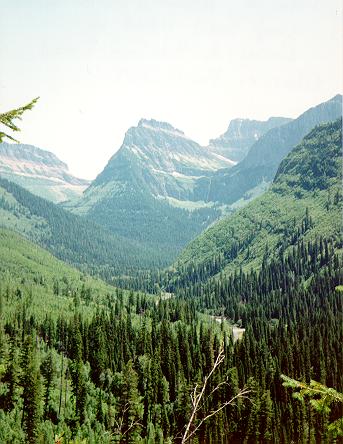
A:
101	65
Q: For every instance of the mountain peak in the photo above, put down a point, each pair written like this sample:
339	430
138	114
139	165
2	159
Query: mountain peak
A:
337	97
241	128
156	125
241	134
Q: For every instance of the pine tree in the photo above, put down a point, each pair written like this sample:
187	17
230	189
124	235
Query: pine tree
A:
31	382
7	119
11	378
322	400
48	372
130	409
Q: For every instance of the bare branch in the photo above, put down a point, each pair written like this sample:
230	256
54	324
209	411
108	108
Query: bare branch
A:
241	394
196	398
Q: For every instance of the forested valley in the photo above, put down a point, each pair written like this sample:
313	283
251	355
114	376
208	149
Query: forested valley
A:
240	342
124	370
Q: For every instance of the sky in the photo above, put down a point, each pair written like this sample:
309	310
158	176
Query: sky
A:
99	66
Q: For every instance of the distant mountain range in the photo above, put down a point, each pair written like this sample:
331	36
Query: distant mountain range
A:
161	189
149	189
161	160
39	171
229	186
241	135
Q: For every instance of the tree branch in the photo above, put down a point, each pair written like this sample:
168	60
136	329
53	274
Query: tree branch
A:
197	397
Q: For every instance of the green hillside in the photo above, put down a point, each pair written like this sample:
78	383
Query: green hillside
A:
48	285
69	237
156	225
304	202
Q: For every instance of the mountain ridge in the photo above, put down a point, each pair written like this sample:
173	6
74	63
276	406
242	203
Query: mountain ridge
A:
39	171
264	156
162	189
71	238
241	134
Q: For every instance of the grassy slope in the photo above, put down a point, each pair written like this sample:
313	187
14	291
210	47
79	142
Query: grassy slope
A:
35	271
306	179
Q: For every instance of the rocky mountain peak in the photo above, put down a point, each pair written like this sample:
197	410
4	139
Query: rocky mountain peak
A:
157	125
241	134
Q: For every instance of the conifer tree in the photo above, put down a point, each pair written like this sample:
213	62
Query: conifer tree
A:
11	378
130	409
7	119
77	373
48	372
31	382
322	400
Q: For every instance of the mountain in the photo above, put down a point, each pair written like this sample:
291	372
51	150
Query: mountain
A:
159	159
40	172
67	236
241	135
258	168
304	202
146	191
162	189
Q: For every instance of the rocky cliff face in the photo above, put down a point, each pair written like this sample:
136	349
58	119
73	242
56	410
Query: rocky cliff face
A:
39	171
241	135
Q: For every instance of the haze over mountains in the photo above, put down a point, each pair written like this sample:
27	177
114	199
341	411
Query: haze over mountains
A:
162	189
260	165
159	159
146	191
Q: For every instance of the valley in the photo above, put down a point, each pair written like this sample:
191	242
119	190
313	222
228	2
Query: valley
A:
171	230
120	304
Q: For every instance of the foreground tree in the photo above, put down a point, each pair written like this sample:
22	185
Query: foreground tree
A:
7	119
130	409
322	399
